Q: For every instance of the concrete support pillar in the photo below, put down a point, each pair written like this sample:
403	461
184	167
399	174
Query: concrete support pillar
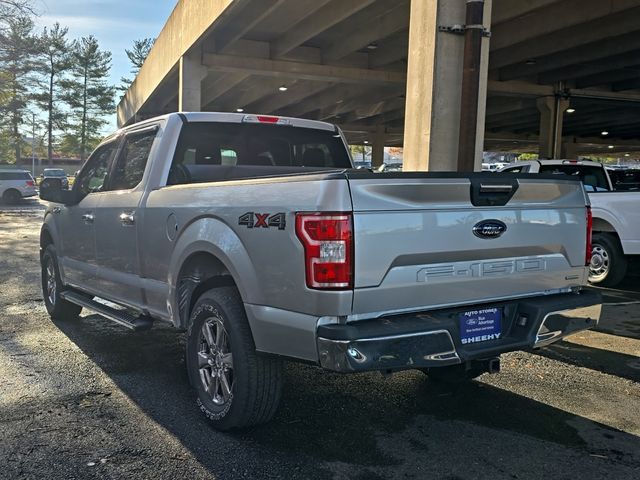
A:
377	150
434	79
551	117
569	151
190	80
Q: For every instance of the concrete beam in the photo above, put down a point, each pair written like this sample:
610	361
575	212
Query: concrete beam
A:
519	89
330	99
613	62
298	70
390	51
607	78
574	56
298	91
555	17
631	84
251	90
221	85
503	11
316	23
592	31
381	22
251	16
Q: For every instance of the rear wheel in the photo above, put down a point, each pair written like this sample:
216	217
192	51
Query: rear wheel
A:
11	196
608	264
57	307
236	386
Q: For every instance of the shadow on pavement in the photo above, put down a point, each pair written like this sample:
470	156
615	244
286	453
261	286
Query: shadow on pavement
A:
605	361
322	416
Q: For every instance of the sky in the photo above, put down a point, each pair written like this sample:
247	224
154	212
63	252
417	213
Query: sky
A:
115	23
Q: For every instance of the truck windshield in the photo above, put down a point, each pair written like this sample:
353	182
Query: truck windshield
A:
593	178
210	151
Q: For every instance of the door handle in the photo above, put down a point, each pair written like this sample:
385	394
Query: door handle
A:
88	217
127	219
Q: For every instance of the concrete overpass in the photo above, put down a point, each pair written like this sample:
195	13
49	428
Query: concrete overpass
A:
554	73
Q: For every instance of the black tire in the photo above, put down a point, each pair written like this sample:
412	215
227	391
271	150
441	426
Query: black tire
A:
57	307
608	263
11	196
254	381
452	373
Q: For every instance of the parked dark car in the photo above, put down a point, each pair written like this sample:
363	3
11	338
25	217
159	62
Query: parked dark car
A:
625	179
56	173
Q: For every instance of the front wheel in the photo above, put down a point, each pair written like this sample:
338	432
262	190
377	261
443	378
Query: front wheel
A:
236	386
608	264
57	307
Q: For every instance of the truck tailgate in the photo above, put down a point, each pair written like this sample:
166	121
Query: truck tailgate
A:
415	246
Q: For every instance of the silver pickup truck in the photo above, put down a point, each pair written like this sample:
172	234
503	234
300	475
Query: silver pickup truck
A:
256	236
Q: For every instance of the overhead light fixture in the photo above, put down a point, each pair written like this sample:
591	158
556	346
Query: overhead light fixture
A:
283	88
239	110
627	155
372	46
531	61
570	110
610	146
604	133
366	142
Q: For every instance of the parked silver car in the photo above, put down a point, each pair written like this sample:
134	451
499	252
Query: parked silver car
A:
15	185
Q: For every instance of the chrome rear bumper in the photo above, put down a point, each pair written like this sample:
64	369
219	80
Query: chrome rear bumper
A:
432	339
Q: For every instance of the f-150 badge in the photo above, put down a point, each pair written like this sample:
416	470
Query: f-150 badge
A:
263	220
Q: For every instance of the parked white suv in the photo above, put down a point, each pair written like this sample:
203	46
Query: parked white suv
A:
616	216
15	185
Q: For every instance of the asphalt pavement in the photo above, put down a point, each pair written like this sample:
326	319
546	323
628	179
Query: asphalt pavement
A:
89	399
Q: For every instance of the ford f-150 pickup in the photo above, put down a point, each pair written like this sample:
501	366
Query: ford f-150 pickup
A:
616	217
256	236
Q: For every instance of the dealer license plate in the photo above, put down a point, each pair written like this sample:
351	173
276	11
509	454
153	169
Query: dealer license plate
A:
480	325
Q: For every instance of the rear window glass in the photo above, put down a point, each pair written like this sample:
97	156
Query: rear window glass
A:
219	151
625	179
593	178
15	176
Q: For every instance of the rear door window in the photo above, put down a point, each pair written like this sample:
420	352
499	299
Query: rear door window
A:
94	174
132	160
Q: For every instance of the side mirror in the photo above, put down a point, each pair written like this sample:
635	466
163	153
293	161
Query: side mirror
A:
51	191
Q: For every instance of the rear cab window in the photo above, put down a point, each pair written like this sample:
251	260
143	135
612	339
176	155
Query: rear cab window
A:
214	151
593	178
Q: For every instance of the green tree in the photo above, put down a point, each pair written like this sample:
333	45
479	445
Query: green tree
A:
55	61
11	9
137	55
18	49
88	95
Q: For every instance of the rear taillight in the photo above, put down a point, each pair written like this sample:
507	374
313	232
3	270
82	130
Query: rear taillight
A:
589	228
328	249
30	183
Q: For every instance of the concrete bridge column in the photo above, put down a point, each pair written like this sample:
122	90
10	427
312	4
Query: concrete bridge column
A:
434	82
191	74
377	150
551	119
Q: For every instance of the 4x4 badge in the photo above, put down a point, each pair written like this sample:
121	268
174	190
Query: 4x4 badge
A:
263	220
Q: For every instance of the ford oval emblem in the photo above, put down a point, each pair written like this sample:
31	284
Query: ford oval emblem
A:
489	229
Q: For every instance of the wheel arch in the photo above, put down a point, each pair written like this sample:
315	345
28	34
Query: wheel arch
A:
209	254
